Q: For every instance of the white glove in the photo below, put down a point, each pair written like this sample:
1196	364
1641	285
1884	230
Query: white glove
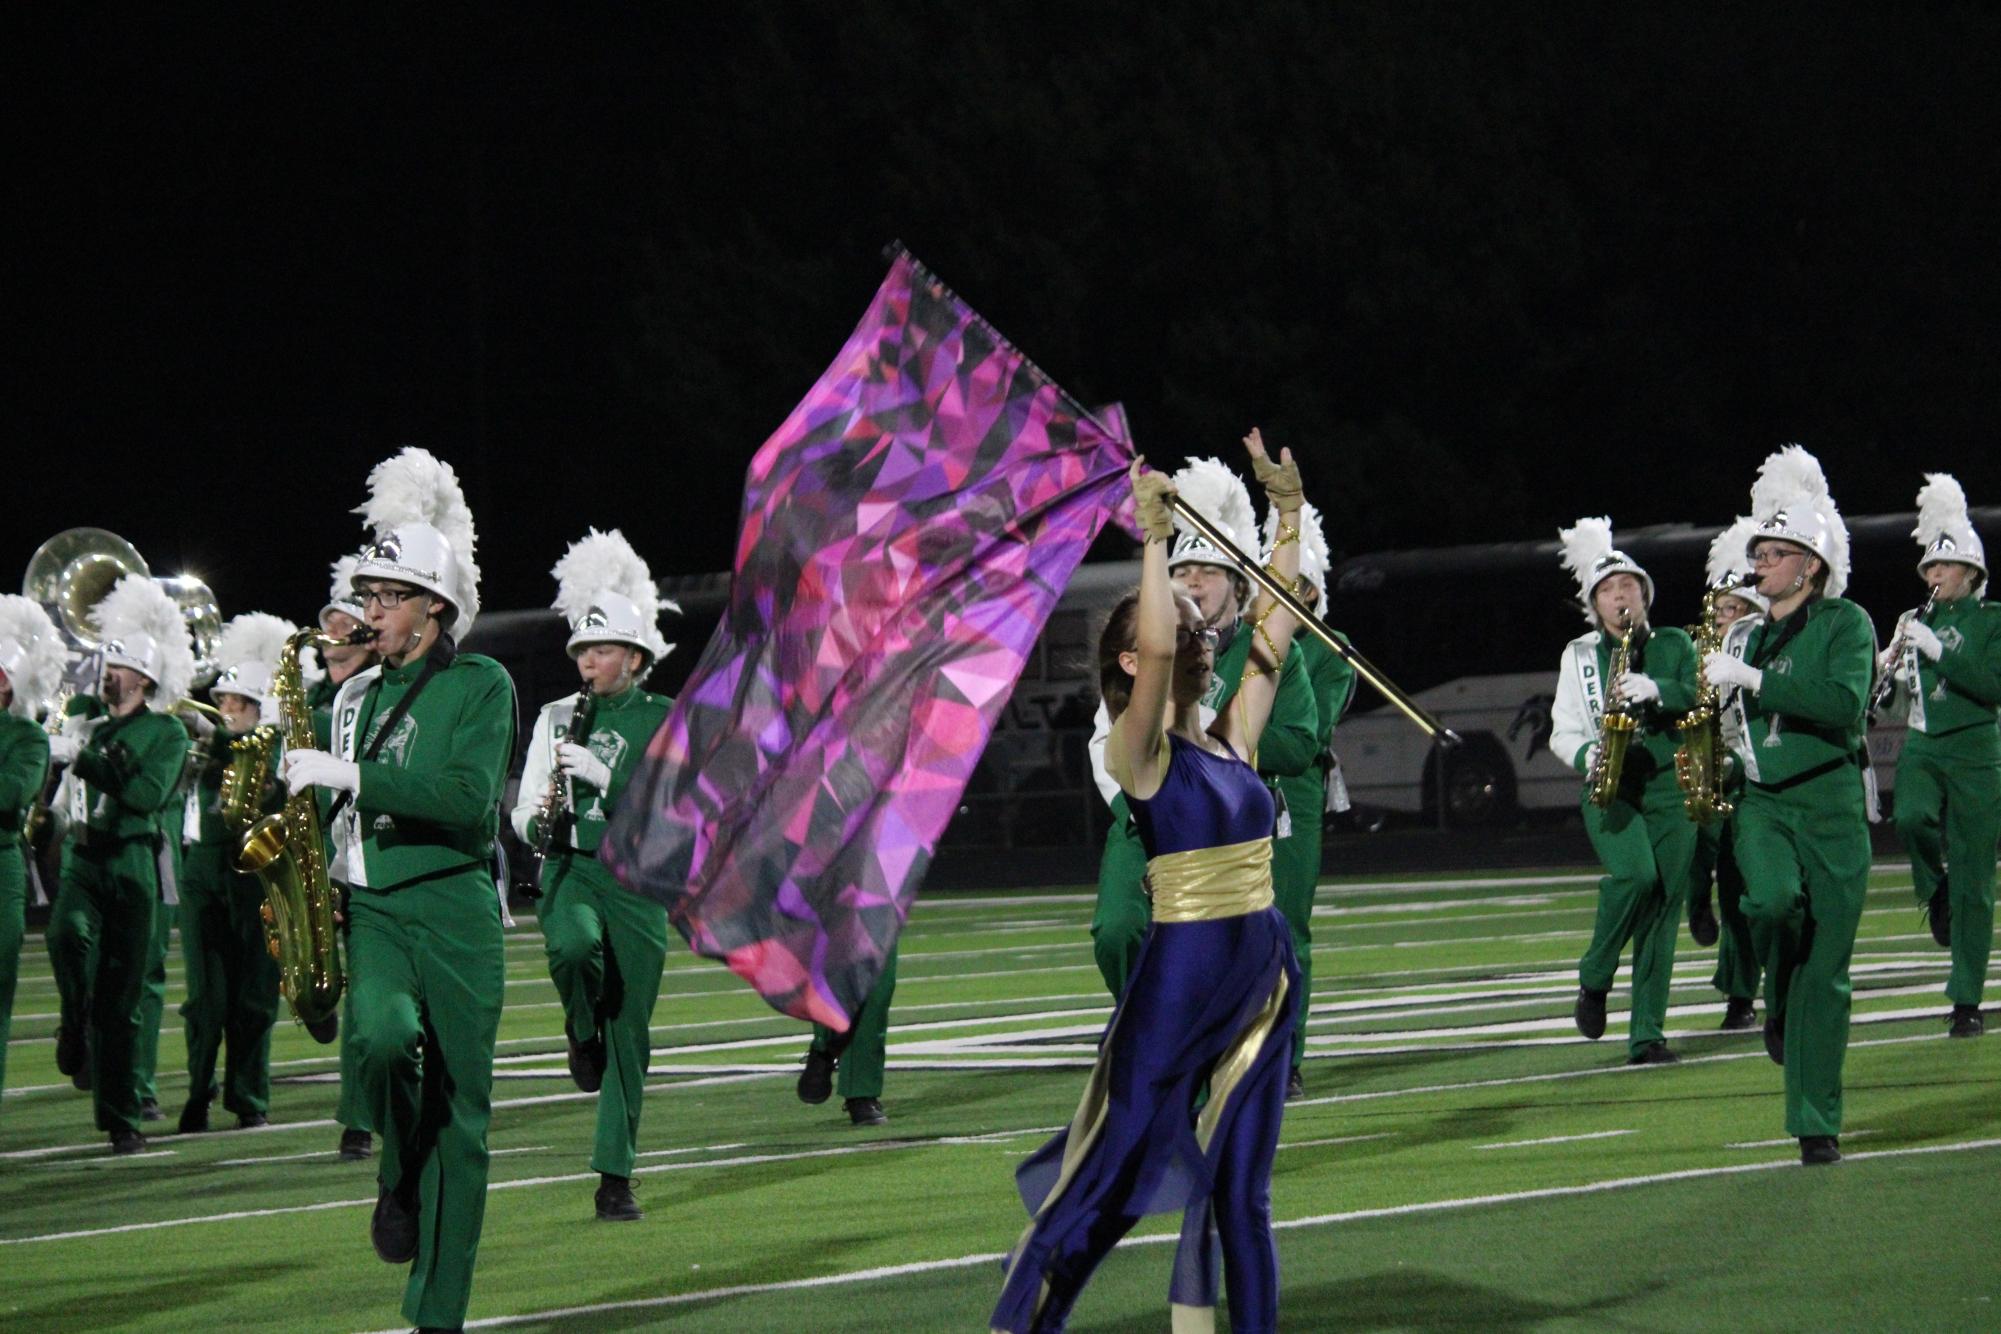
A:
64	749
1724	670
1924	639
582	766
1886	661
1590	756
316	768
1639	688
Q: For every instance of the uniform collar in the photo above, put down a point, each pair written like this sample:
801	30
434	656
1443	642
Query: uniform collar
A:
622	700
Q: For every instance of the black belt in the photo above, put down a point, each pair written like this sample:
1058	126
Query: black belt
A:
1807	776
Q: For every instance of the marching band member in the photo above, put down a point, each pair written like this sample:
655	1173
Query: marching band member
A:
232	980
1642	833
606	945
1289	743
1295	860
31	666
1801	831
124	770
1946	665
418	763
341	617
1737	969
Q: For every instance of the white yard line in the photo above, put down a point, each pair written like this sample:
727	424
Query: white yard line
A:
1552	1139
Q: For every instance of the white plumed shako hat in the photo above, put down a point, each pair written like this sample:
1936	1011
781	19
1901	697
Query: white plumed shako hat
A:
607	595
31	653
1730	561
248	655
341	596
423	533
1791	504
1944	531
1591	558
141	627
1218	495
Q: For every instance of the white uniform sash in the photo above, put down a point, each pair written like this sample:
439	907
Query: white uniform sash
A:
344	738
1736	724
1590	681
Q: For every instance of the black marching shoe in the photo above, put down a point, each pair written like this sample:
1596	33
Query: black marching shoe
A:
816	1081
1817	1150
356	1146
149	1110
73	1055
251	1120
1775	1038
393	1230
1739	1014
194	1117
1966	1022
1653	1053
866	1111
127	1141
1590	1013
1938	911
586	1061
1295	1085
1702	928
615	1203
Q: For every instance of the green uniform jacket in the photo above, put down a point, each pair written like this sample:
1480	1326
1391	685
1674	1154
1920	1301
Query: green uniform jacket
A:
1963	688
1808	713
24	767
428	804
1333	684
1667	655
1291	740
132	768
622	726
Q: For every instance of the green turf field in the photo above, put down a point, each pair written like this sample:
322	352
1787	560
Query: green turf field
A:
1462	1159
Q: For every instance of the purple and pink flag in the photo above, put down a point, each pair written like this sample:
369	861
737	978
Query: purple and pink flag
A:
905	535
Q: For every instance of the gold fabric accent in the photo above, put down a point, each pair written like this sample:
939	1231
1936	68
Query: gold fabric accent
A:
1207	884
1191	1319
1236	1063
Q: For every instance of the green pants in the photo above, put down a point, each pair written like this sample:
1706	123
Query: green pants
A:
1805	854
1648	857
428	971
13	926
1124	912
1736	973
607	946
350	1112
100	938
232	980
1949	815
865	1047
1295	875
153	1000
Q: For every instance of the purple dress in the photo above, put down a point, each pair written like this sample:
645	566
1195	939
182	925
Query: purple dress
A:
1211	1003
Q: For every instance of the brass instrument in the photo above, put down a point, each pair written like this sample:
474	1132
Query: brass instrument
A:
1615	730
1887	685
1700	762
246	775
287	853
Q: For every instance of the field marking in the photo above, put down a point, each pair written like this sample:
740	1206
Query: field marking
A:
1552	1139
113	1161
1338	1139
1791	1140
1156	1239
335	1153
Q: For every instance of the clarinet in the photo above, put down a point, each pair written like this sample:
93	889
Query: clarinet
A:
559	814
1888	685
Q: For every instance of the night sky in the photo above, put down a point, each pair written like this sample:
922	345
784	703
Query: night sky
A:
1485	267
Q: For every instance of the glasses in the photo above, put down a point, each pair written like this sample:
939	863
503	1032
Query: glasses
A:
390	598
1773	555
1206	636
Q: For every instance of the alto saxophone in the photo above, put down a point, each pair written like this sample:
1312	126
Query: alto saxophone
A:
1616	729
287	853
1700	759
245	777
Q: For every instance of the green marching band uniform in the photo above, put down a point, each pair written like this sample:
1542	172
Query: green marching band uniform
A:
606	945
125	771
420	754
1290	747
1801	690
232	980
31	664
1947	673
1737	972
340	616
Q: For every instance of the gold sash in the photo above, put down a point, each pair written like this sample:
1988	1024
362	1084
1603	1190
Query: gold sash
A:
1207	884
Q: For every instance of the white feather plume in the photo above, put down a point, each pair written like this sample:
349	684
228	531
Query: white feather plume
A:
137	604
1728	550
1218	495
1791	479
254	637
599	563
40	671
1585	543
342	588
1312	545
1941	510
416	486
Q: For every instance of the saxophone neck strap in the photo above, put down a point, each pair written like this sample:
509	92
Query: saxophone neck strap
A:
439	658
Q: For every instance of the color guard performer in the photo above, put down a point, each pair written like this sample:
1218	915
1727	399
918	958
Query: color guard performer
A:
124	770
418	765
606	945
31	667
1636	820
1802	831
1945	663
1737	971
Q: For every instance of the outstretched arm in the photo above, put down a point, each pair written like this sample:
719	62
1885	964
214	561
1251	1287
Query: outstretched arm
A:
1271	625
1142	729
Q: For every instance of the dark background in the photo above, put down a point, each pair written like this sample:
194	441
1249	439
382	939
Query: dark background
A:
1486	267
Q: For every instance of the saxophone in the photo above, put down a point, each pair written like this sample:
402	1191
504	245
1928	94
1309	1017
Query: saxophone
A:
1700	760
1615	731
246	775
287	851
